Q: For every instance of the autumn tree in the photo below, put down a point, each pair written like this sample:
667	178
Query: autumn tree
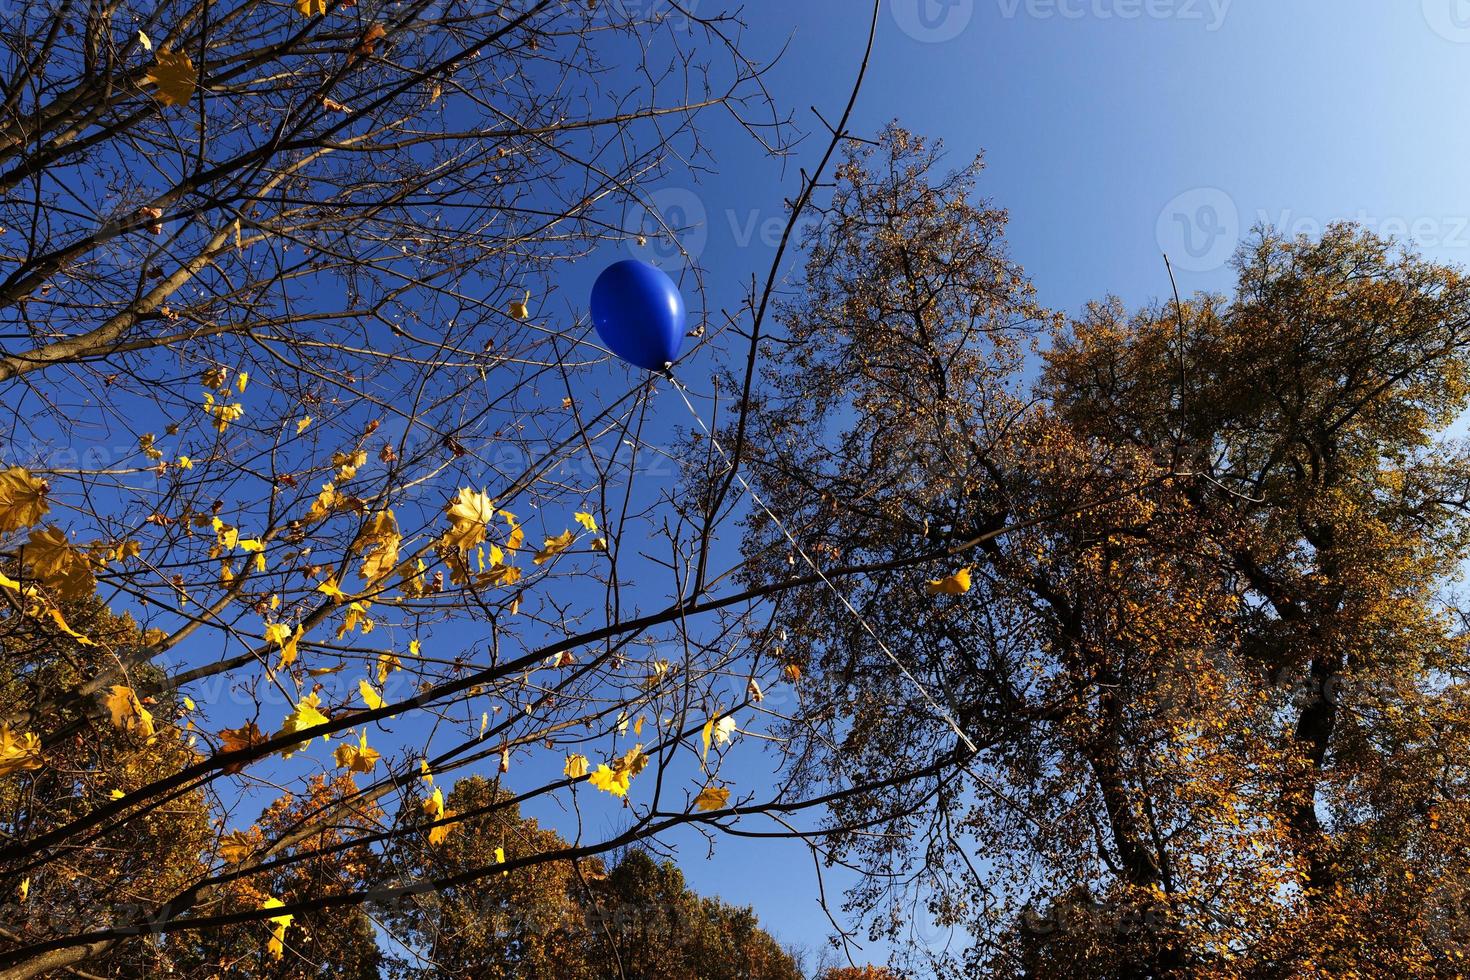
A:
1187	660
569	918
292	386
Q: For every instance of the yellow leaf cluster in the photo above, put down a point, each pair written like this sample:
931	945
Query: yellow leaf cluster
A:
616	778
348	464
359	757
222	413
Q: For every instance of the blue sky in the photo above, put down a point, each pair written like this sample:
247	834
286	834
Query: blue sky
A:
1114	130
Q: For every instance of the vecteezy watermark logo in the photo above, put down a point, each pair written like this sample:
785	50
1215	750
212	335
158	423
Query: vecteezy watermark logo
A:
670	228
932	21
1450	19
1199	229
1211	13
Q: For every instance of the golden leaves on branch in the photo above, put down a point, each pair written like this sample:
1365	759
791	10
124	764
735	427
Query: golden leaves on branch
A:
282	636
616	778
359	757
576	766
347	464
221	413
174	76
434	810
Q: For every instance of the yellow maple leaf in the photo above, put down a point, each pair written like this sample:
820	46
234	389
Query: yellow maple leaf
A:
499	575
434	805
288	643
609	781
128	712
307	714
520	309
956	584
18	751
554	546
174	75
236	846
57	565
234	739
378	543
22	499
60	622
275	946
356	619
359	757
330	588
438	834
302	423
312	8
586	520
712	798
515	536
370	697
576	766
23	890
387	663
469	515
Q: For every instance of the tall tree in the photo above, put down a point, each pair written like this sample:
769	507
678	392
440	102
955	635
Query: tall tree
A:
1189	595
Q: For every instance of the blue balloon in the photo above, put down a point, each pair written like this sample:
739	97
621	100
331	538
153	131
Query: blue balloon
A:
639	313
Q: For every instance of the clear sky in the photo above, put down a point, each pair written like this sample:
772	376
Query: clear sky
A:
1114	130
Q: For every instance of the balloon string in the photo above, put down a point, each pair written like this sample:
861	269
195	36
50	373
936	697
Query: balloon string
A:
820	574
